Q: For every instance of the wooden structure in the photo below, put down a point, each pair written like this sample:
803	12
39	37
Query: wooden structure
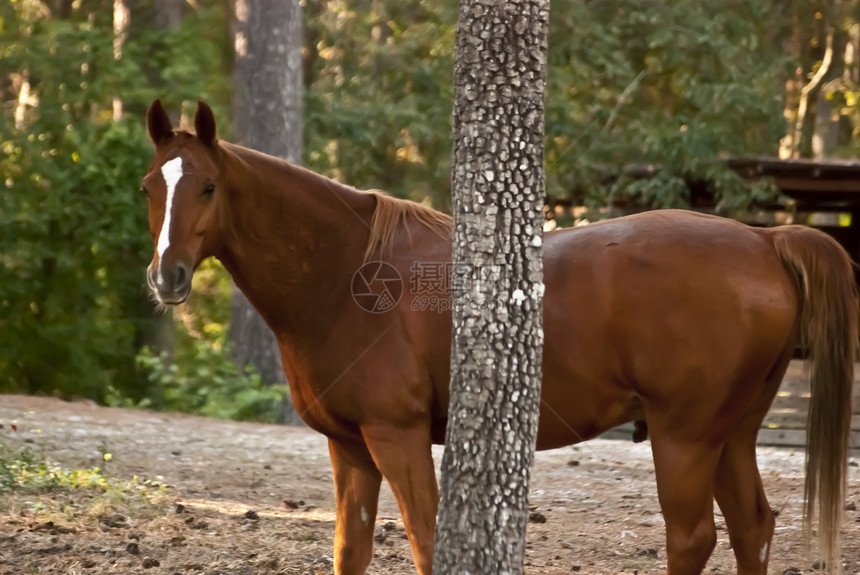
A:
823	194
785	424
826	195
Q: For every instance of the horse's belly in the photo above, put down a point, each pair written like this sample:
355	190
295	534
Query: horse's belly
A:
577	418
642	314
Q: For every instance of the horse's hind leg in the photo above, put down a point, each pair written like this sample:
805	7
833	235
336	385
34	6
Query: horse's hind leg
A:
741	498
685	487
356	486
738	488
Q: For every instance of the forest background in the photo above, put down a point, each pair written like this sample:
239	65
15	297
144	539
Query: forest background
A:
672	86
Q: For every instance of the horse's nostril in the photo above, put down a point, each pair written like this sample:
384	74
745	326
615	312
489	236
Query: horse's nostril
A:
181	277
171	284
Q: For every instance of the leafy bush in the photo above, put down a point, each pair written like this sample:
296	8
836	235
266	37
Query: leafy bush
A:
199	376
73	240
207	382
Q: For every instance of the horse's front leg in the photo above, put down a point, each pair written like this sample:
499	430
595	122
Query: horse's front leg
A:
356	488
403	455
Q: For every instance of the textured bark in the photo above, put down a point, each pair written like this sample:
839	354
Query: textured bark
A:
498	184
268	90
267	117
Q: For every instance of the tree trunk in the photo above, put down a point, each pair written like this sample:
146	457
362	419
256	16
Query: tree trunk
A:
827	126
817	43
793	47
62	9
267	117
157	331
168	14
121	17
497	284
809	88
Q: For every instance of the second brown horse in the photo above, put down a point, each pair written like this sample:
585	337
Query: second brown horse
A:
682	320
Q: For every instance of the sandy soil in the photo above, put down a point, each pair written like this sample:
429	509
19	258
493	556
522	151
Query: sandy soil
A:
257	499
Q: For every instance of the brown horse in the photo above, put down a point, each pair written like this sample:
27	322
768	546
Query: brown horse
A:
682	320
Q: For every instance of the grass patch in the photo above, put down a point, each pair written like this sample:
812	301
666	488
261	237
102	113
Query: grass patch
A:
36	486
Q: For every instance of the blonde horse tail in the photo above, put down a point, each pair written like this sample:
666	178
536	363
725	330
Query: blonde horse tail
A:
827	295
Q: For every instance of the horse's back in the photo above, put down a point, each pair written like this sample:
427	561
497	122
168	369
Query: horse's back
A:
663	306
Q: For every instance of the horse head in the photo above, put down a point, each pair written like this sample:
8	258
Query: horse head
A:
184	187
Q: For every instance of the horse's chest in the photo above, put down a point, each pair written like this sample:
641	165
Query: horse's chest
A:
315	411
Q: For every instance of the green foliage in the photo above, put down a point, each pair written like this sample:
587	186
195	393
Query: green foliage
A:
199	376
73	241
679	86
32	483
378	100
208	383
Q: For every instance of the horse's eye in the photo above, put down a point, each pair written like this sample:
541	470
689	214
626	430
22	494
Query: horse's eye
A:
209	190
145	191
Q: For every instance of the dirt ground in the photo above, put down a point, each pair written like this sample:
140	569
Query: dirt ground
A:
257	499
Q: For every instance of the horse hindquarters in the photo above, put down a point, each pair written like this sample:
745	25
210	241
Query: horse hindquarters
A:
828	329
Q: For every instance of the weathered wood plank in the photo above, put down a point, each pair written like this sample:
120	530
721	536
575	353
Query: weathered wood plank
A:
796	438
785	423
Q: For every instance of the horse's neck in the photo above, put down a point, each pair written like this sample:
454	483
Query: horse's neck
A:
295	238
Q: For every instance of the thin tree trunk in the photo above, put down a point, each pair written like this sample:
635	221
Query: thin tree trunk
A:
121	20
267	117
793	49
827	125
805	117
23	102
168	14
807	89
498	189
156	331
62	9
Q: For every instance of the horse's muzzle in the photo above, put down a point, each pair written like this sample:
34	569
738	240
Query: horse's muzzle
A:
169	284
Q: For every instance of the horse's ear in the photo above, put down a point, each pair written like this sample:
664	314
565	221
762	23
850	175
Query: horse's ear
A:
204	123
158	123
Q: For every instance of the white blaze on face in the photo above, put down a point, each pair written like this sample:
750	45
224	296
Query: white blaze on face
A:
172	172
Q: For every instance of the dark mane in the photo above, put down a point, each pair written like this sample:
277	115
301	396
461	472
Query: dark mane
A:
391	213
